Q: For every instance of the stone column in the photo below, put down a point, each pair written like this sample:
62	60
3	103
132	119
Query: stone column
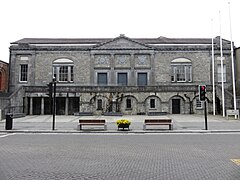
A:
66	106
152	72
132	79
92	73
42	106
112	75
31	106
25	105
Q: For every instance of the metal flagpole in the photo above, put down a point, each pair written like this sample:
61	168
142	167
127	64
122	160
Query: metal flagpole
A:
223	98
233	68
213	73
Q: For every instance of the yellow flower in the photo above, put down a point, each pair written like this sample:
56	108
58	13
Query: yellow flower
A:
123	121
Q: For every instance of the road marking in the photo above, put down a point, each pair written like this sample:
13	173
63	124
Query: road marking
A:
5	135
236	161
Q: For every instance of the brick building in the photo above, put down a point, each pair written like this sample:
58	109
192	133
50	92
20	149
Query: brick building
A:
117	75
237	50
3	76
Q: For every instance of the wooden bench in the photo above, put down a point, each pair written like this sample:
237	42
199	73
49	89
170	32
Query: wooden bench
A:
92	122
163	121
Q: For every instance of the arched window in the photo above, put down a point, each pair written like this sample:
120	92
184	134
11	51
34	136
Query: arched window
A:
63	70
181	70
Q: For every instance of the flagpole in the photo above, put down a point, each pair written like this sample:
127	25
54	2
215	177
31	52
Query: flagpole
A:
223	98
213	73
233	68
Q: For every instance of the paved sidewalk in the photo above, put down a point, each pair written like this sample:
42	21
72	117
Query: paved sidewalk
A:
69	124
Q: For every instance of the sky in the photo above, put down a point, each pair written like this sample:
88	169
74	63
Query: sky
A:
110	18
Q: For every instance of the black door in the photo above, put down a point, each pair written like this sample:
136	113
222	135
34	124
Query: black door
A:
37	105
176	106
60	105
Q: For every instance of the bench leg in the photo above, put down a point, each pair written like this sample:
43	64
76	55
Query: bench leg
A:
170	127
144	126
105	127
80	127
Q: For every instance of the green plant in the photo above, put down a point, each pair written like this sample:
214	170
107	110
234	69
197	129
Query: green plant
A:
123	121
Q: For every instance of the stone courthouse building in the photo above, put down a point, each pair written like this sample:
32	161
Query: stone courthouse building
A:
117	75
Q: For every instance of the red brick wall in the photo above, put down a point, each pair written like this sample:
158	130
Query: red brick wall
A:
3	76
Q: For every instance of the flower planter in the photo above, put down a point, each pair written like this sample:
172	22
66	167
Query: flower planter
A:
123	126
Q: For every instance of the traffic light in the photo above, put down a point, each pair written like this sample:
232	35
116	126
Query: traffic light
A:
50	89
202	92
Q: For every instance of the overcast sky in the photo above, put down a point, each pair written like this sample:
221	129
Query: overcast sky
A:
110	18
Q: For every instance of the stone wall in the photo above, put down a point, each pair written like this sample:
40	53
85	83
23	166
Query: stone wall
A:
121	55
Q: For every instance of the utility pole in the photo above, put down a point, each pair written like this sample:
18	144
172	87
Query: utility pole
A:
54	102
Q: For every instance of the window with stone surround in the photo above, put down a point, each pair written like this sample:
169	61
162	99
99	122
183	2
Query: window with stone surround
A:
152	103
99	104
219	73
102	78
23	72
122	79
142	79
181	70
128	103
63	70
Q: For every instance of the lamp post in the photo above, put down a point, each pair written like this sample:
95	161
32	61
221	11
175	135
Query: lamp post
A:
54	102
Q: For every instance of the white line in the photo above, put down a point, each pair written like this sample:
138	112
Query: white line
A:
5	135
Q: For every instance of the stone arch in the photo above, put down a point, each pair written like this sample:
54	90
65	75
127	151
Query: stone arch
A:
181	60
129	105
181	70
95	103
177	105
62	61
157	104
63	69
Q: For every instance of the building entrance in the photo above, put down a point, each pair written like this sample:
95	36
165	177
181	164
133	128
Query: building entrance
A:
176	106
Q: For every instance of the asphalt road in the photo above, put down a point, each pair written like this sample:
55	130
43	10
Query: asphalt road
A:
112	156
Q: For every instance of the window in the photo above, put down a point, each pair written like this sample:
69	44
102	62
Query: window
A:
24	72
181	70
99	104
142	79
63	73
122	79
219	71
102	79
128	104
199	104
152	103
63	70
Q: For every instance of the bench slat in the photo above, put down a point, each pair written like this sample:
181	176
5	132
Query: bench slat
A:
92	122
167	121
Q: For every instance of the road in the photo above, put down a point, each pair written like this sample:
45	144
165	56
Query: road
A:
113	156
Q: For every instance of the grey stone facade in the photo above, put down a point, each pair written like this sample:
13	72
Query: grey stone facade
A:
130	76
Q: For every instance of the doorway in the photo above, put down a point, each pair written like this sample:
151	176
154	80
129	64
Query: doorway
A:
176	106
60	105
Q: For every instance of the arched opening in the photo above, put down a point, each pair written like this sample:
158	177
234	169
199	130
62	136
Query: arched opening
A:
181	70
63	70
